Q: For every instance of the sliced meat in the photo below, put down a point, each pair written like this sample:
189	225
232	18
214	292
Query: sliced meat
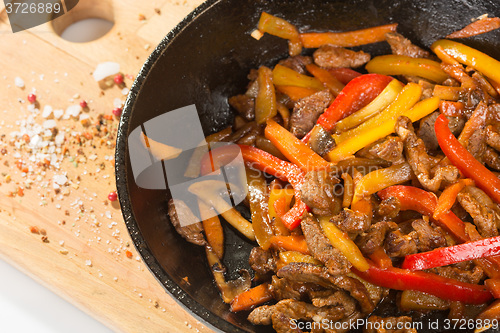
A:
284	289
318	192
402	46
492	137
482	209
261	315
477	144
423	166
426	236
351	221
329	56
191	229
303	272
399	245
375	236
491	158
471	275
427	133
389	149
281	323
378	324
321	141
297	63
334	298
321	249
245	105
262	261
389	208
307	111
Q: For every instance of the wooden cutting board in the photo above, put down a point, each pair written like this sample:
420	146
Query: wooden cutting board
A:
87	256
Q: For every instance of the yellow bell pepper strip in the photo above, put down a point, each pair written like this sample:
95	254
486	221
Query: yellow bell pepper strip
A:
258	199
449	196
344	74
452	109
328	80
478	27
355	95
464	161
443	256
347	39
290	243
284	76
281	28
444	57
213	228
380	130
251	298
348	190
393	64
448	93
379	179
471	57
278	195
442	287
265	102
296	93
383	100
341	241
287	257
295	150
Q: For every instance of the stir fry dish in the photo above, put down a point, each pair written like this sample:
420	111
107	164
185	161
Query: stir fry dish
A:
366	176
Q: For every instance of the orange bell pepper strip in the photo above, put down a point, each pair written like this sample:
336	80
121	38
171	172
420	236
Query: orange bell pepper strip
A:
328	80
493	286
452	109
294	150
296	93
213	228
478	27
380	258
344	74
257	197
393	64
464	161
284	76
282	197
265	102
347	39
449	196
290	243
251	298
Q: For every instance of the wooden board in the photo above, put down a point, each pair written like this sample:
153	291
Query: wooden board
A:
87	256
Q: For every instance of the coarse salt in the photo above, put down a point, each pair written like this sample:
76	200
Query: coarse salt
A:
105	69
51	123
47	111
60	179
58	113
73	110
19	82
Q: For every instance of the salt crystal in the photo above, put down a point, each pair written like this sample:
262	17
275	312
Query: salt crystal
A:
88	262
51	123
73	110
105	69
59	139
47	111
108	214
93	157
19	82
58	113
60	179
117	103
125	91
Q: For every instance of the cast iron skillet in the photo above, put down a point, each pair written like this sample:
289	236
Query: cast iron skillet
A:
204	60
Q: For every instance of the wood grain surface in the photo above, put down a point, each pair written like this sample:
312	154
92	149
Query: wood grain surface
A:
86	255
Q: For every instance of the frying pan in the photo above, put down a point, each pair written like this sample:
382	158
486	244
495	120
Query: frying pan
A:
206	59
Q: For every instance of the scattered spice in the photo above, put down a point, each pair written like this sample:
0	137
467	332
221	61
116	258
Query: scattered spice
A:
45	239
83	103
117	111
142	17
32	98
34	230
128	254
112	196
118	78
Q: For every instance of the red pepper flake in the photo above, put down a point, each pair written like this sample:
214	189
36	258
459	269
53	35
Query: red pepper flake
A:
32	98
88	135
117	111
118	78
128	254
19	164
34	229
20	191
26	138
112	196
83	103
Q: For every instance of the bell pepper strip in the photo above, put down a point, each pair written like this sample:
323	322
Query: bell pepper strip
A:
258	200
251	298
344	74
458	73
265	102
296	93
383	100
408	96
363	205
452	109
380	130
489	316
443	256
285	115
471	57
449	196
325	77
380	179
355	95
282	197
287	257
494	84
290	243
464	161
341	241
295	150
445	57
212	228
442	287
393	64
478	27
348	190
347	39
284	76
380	258
281	28
416	300
448	93
493	286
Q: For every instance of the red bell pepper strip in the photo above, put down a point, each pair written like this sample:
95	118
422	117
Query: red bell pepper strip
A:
464	161
445	288
413	198
355	95
482	248
344	74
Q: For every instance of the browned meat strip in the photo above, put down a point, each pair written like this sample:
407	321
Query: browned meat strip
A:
297	63
491	158
402	46
303	272
471	275
389	208
389	149
482	209
375	236
281	324
262	261
307	111
378	324
284	288
318	192
428	135
321	249
261	315
426	236
492	137
335	298
333	56
193	230
351	221
423	165
477	144
399	245
245	105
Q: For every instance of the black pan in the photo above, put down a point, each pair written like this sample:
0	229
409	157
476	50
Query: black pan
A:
204	60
